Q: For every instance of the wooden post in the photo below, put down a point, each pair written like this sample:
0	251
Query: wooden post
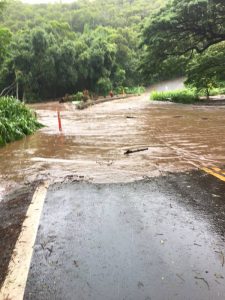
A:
59	121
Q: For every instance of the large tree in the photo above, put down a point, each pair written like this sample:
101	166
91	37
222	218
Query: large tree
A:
184	27
207	71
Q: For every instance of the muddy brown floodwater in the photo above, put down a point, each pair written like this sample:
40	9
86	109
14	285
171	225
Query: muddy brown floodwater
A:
92	144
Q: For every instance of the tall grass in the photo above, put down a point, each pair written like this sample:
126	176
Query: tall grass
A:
178	96
16	120
217	91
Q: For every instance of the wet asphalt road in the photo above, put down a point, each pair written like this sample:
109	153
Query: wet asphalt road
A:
161	238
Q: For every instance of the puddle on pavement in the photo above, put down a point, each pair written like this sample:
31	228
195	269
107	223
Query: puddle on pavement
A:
94	140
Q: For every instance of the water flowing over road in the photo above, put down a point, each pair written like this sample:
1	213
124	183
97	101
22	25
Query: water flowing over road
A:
93	141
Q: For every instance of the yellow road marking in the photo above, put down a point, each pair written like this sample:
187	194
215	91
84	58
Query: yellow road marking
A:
15	282
218	170
211	172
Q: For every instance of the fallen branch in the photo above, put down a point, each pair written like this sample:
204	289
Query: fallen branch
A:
134	151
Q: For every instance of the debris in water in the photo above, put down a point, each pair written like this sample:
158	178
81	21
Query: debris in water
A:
129	151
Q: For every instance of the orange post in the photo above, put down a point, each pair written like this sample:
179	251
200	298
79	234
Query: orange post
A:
59	121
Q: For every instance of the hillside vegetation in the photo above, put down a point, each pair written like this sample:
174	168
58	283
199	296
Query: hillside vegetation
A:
51	50
55	49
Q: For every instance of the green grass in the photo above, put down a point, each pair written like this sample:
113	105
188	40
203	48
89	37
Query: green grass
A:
217	91
179	96
135	90
16	120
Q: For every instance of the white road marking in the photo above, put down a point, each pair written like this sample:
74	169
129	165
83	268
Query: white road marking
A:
15	282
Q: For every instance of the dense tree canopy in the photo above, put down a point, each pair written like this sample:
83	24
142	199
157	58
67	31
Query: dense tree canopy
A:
54	49
186	25
207	71
49	50
179	33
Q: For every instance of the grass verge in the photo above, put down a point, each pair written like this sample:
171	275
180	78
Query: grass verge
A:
179	96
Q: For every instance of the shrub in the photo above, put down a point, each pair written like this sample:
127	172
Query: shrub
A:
136	90
217	91
118	90
178	96
16	120
104	86
78	96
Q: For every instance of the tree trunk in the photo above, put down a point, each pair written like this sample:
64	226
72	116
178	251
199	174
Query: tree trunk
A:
17	90
207	94
24	96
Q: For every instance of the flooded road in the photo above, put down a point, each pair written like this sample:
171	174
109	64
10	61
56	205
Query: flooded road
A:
147	225
93	141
